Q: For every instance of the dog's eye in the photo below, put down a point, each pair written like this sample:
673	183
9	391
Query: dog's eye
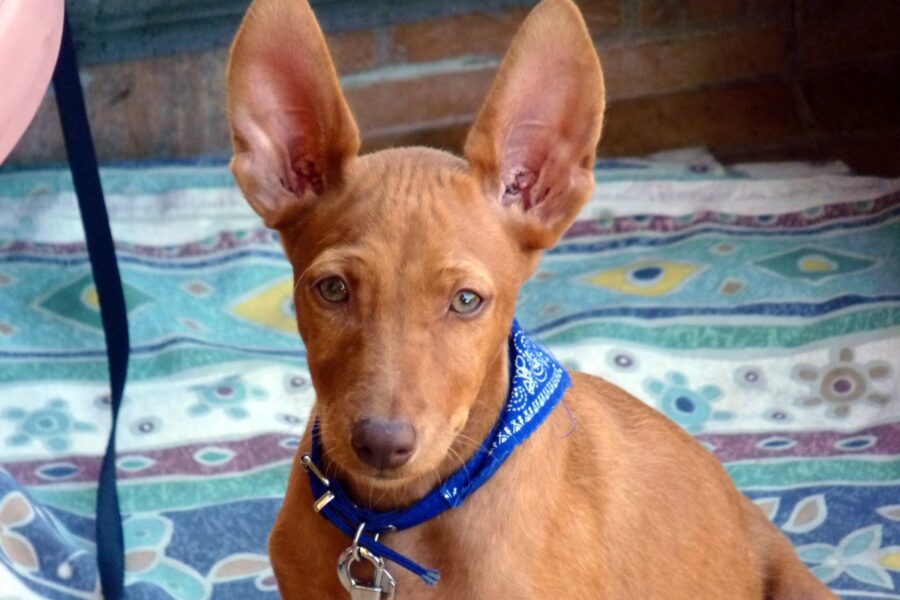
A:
466	302
333	289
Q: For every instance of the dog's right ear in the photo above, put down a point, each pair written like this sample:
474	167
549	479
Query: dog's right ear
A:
292	129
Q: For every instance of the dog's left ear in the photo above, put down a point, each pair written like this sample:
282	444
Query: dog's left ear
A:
534	142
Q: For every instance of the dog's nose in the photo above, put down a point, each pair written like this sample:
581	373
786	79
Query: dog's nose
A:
383	444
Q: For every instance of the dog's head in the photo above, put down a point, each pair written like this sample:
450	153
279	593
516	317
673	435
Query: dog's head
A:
407	262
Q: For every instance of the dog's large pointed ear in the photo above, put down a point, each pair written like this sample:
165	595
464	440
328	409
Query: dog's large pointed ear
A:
534	142
292	129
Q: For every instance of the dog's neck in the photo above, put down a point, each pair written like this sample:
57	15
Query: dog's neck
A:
483	416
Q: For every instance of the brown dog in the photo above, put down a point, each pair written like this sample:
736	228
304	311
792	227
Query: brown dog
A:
407	265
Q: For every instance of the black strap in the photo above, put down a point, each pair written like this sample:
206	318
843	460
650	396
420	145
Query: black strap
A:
102	255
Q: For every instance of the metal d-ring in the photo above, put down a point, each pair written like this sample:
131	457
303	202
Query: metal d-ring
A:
357	552
355	547
359	532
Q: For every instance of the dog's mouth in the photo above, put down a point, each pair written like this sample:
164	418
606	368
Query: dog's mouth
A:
347	467
342	462
368	480
386	477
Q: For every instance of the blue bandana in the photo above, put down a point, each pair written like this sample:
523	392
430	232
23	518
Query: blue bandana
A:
537	384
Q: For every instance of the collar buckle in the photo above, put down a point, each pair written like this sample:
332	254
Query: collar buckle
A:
323	500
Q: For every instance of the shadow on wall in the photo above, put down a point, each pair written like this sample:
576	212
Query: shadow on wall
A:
751	79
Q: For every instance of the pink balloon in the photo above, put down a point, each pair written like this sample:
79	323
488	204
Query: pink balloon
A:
30	32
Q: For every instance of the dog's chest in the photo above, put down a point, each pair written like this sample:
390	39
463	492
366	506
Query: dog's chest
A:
480	552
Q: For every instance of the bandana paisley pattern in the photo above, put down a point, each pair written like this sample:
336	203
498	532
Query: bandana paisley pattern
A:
536	379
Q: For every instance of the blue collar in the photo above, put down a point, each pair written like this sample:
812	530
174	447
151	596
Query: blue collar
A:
537	384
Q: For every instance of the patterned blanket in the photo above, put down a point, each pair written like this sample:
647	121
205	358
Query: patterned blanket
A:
758	307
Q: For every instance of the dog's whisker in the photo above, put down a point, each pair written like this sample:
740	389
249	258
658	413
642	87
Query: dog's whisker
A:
453	453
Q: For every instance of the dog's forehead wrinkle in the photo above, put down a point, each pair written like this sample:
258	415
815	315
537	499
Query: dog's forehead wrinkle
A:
411	219
408	175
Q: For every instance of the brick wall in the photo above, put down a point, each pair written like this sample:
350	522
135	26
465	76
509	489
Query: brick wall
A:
751	79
